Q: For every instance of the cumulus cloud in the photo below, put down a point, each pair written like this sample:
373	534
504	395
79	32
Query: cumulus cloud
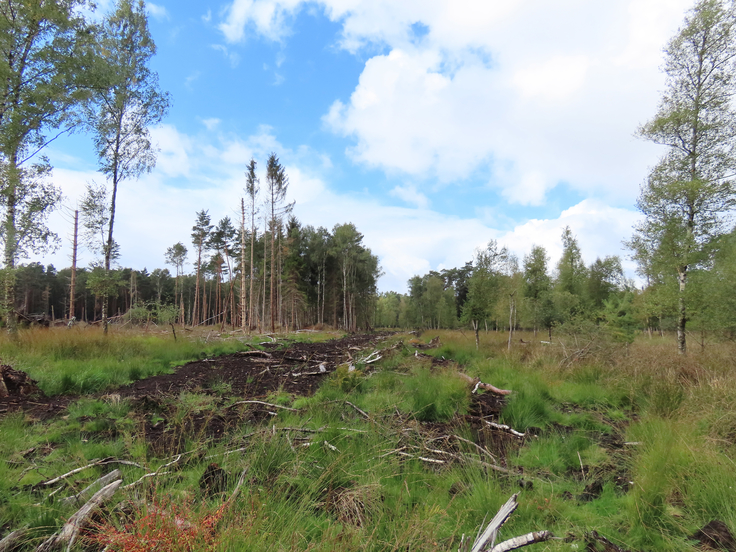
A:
156	211
501	88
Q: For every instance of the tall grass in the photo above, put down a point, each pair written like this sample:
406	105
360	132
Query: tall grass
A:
340	483
84	360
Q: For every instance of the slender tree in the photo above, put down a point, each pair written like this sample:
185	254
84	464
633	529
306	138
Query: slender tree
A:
690	190
277	183
252	187
200	232
45	56
176	256
536	281
124	110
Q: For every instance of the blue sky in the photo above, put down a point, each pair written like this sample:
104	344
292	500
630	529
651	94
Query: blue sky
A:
432	125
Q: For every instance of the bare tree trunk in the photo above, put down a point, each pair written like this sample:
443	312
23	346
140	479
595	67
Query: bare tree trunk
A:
512	305
243	321
265	275
72	286
681	311
195	312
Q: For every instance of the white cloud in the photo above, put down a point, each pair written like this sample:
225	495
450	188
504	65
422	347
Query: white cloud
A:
268	18
505	88
175	148
212	123
599	228
156	211
410	195
232	57
154	10
556	78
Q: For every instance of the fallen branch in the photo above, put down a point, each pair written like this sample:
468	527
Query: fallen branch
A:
523	540
359	411
503	427
147	476
11	541
256	352
103	462
68	533
236	490
481	385
82	495
498	520
264	404
491	532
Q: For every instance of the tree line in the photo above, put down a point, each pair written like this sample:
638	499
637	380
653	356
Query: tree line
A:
320	278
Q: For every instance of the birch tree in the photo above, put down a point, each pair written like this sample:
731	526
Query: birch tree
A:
125	109
690	191
45	57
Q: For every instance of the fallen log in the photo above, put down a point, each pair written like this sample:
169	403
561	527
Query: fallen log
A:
487	386
69	532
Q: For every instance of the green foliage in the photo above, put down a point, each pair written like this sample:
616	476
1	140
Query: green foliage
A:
689	193
346	379
619	316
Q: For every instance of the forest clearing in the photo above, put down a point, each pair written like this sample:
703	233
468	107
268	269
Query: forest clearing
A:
383	441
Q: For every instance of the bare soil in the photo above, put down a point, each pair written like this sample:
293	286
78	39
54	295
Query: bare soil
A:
293	367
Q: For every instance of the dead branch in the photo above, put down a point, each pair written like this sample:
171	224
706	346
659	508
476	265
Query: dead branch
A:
422	458
147	476
503	427
103	462
264	404
498	520
523	540
239	484
11	541
263	354
361	412
491	532
478	447
68	533
481	385
82	495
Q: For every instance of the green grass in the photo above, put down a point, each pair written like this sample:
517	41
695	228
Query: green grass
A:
82	361
357	484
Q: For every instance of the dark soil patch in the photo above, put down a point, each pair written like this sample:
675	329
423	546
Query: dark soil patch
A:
298	369
293	367
717	536
19	392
